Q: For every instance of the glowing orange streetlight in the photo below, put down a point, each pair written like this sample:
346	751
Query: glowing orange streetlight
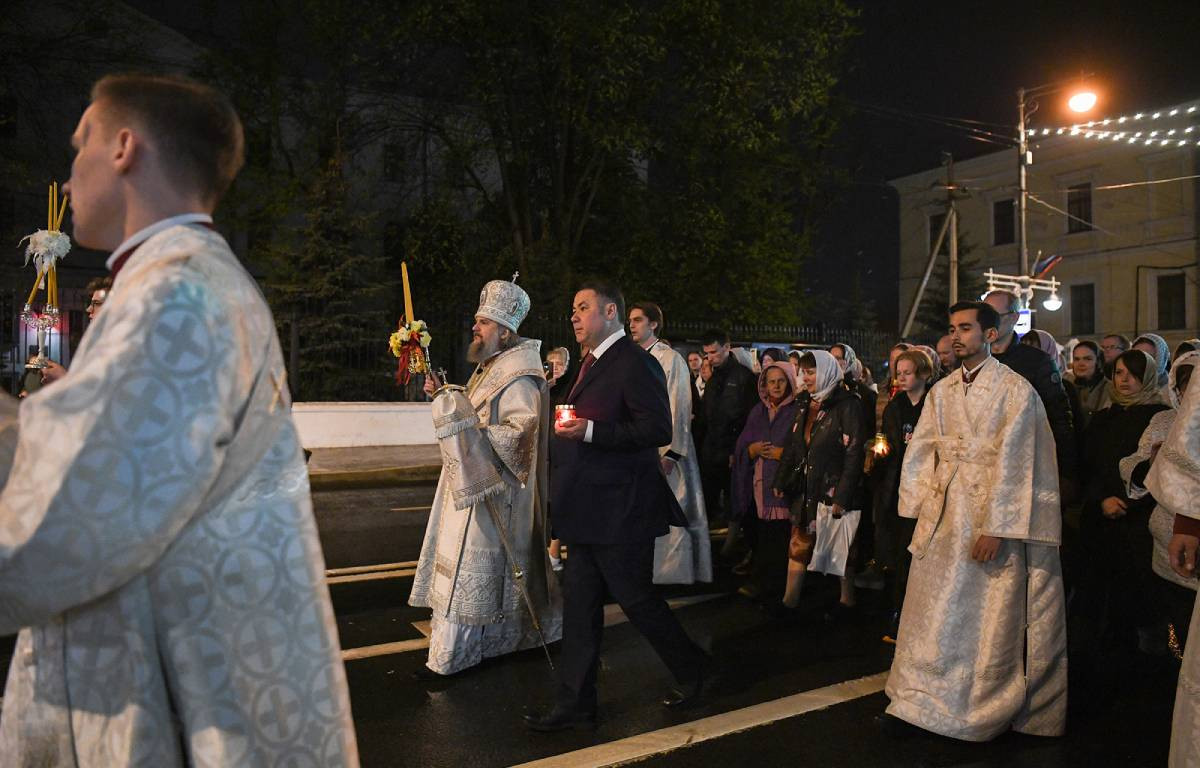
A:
1083	101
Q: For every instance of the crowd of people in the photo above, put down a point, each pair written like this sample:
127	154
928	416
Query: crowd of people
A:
1034	469
1025	503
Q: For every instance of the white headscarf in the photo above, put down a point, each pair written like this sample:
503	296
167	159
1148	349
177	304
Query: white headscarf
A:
829	374
1184	360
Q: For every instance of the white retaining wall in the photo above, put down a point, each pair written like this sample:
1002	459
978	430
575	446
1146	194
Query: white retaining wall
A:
351	425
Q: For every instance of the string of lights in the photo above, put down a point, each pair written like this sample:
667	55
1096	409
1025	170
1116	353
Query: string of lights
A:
1139	128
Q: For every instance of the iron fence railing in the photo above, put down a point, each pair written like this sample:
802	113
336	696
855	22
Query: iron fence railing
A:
373	368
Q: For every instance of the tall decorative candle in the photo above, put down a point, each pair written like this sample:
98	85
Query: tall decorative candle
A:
408	310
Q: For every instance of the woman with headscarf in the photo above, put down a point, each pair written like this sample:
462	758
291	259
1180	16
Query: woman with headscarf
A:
1185	346
822	463
756	460
1113	525
1087	375
1176	595
1155	346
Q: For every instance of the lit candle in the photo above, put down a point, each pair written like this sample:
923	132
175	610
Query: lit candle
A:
879	446
564	413
408	311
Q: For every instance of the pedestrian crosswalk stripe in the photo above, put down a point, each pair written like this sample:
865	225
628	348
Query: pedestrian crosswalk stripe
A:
675	737
613	615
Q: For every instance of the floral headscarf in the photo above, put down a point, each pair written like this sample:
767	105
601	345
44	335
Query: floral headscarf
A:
1149	392
854	370
1162	354
829	373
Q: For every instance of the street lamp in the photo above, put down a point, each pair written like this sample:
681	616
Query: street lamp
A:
1081	101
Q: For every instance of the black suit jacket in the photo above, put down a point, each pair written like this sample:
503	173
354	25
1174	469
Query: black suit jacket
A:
612	489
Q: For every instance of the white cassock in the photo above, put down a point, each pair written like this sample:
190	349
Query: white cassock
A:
682	555
157	544
982	646
464	573
1174	481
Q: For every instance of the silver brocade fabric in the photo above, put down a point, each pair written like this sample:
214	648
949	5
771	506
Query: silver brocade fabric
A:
463	573
160	627
982	461
682	555
1174	481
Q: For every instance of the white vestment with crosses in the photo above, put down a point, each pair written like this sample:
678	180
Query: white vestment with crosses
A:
158	551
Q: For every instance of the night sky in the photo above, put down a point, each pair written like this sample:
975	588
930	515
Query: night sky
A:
966	60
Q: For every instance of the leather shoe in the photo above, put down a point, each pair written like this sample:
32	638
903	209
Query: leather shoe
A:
894	727
683	696
560	718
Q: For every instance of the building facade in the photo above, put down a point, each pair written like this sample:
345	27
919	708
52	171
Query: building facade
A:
1121	212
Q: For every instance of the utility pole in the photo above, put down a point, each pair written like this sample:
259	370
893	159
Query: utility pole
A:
953	214
1022	185
949	224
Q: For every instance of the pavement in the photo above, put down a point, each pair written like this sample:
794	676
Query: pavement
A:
373	466
784	692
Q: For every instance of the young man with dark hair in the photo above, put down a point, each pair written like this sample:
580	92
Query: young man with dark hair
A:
681	556
728	397
982	641
164	569
1042	372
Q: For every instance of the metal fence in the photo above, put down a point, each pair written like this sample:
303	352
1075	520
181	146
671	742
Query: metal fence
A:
373	368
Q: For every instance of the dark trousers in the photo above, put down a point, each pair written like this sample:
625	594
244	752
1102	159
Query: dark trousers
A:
904	527
771	555
716	481
625	570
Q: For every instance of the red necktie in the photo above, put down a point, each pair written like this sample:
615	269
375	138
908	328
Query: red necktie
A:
588	359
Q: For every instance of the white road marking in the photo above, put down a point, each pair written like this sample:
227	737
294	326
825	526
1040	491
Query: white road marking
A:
613	615
370	568
664	740
372	576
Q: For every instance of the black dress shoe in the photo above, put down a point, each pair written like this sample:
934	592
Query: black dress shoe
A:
560	718
683	696
894	727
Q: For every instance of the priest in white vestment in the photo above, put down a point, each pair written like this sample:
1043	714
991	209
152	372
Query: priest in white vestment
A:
158	551
982	641
466	571
682	555
1174	481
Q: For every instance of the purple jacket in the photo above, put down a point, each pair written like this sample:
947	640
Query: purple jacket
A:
759	426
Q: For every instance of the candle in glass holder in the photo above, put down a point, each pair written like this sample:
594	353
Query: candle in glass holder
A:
564	413
879	446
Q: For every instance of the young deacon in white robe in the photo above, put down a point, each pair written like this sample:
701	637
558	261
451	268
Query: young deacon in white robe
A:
982	642
158	551
493	437
1174	481
682	555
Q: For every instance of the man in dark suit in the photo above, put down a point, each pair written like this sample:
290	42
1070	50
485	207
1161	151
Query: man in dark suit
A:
609	501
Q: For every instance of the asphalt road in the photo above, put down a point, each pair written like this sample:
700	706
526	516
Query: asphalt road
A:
790	692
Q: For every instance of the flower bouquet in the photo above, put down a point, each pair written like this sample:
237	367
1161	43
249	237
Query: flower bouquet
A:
410	345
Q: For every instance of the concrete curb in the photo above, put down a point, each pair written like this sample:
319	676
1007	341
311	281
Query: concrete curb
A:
384	477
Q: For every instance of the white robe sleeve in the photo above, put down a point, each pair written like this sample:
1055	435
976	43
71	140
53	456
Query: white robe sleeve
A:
1174	478
114	459
1023	500
918	475
514	436
679	390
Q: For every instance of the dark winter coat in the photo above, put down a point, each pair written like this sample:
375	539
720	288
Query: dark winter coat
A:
728	397
828	469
